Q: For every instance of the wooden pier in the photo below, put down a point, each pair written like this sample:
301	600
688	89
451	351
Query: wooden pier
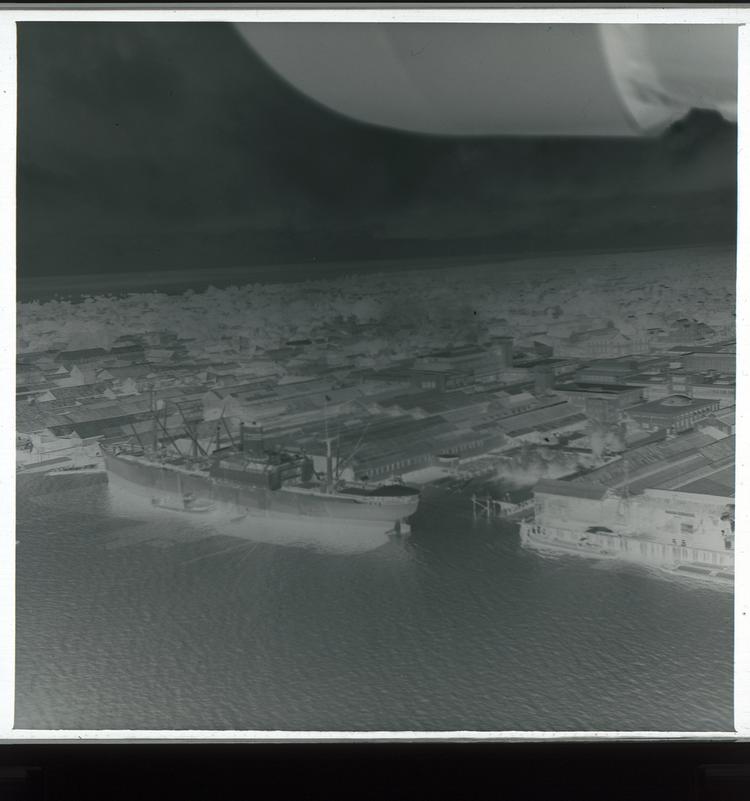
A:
491	508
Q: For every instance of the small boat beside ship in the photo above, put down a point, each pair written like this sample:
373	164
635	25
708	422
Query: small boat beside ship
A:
189	503
723	576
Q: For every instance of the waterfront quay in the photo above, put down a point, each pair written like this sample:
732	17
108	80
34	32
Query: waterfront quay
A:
544	440
551	410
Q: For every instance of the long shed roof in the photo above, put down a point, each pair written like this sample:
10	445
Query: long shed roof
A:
568	489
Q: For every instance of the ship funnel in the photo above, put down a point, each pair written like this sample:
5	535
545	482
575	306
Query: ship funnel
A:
252	439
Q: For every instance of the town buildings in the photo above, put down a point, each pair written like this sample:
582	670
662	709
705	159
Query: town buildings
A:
594	381
673	413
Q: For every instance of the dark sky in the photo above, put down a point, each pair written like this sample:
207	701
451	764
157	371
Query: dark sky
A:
148	146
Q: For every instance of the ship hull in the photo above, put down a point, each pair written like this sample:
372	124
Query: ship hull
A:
716	567
337	517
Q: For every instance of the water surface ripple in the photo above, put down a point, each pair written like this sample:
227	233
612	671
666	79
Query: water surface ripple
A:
122	624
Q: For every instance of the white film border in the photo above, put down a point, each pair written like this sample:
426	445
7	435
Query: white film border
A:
646	110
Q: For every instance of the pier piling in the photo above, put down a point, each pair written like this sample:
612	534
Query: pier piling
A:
491	508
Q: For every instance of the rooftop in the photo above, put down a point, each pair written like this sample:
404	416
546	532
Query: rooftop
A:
73	355
79	392
587	386
672	405
653	459
434	403
720	450
720	482
726	415
451	353
612	365
724	349
551	486
542	428
536	417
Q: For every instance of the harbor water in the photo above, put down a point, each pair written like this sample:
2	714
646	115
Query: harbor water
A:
127	622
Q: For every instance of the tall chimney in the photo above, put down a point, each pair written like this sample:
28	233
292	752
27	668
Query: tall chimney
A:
242	436
218	437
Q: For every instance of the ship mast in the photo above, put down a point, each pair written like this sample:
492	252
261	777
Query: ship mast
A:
340	464
625	493
154	431
329	464
192	432
329	454
163	426
135	431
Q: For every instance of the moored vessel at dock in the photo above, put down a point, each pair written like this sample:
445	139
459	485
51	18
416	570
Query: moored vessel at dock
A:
684	534
245	481
714	567
598	542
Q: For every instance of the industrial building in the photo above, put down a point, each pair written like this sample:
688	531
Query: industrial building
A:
669	464
674	413
603	402
723	360
544	425
437	378
379	448
661	527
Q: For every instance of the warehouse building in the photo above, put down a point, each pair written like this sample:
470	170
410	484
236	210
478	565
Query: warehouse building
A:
674	413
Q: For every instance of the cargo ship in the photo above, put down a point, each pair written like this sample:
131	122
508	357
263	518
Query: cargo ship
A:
245	480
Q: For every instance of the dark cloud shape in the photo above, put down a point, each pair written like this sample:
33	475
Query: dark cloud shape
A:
149	146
